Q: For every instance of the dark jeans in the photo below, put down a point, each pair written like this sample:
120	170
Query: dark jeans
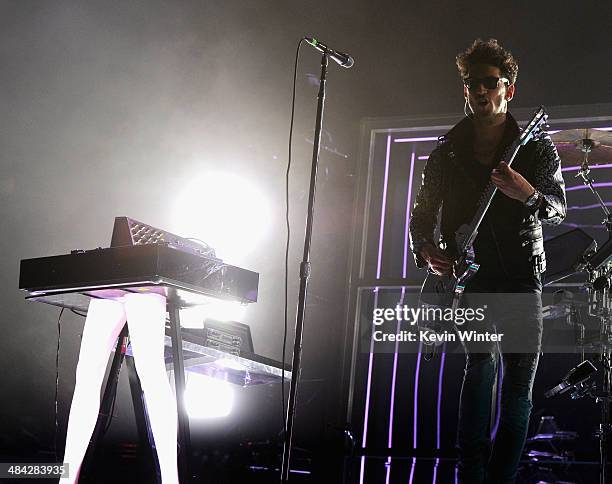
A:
482	460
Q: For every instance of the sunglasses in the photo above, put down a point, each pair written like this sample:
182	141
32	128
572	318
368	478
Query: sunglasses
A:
489	82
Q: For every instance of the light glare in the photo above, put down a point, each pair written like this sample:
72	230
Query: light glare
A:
207	397
226	211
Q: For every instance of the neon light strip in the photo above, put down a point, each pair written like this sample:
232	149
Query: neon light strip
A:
418	367
584	187
439	407
413	140
415	409
393	378
500	378
583	226
408	207
383	208
588	207
292	471
594	167
435	138
425	157
378	270
396	352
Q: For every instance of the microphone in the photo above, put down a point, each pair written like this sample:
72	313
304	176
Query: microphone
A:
341	58
575	376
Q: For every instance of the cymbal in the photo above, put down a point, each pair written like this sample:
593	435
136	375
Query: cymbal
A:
572	143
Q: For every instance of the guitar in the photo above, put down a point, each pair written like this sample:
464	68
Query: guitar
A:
446	290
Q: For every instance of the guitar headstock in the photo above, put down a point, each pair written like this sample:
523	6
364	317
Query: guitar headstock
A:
536	127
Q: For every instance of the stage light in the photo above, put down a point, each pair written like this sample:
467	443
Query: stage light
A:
207	397
224	210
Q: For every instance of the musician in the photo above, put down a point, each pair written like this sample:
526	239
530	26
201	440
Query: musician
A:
508	247
146	317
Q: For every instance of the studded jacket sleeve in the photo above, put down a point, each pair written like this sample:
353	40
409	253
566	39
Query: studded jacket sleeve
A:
549	182
424	215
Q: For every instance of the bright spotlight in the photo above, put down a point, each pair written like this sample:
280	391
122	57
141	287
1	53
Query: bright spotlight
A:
224	210
207	397
217	309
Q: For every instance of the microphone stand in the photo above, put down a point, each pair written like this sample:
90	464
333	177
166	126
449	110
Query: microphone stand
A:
304	276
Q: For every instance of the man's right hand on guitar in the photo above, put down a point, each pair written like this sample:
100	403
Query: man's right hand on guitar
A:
439	263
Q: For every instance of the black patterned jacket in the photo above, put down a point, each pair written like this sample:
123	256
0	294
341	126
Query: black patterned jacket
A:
510	233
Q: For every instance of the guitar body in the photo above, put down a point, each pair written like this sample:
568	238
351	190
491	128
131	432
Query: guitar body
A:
438	290
446	290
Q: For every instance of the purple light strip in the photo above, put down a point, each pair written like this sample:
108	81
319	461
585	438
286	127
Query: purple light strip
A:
415	409
594	167
292	471
583	226
378	270
383	208
393	378
396	351
418	368
500	378
588	207
435	470
424	157
412	140
408	206
435	138
584	187
368	391
439	408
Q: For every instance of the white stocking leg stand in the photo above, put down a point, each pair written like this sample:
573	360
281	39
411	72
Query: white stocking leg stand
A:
104	321
146	315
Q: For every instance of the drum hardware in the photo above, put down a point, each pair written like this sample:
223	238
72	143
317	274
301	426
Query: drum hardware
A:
549	452
572	144
575	145
578	379
568	254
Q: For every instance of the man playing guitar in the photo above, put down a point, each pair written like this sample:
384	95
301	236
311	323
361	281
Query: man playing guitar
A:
508	248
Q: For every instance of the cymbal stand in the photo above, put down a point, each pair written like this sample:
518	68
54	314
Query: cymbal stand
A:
587	146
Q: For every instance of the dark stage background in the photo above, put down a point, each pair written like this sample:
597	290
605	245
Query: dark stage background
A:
114	107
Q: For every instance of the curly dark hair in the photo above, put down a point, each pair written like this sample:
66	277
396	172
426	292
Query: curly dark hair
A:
490	53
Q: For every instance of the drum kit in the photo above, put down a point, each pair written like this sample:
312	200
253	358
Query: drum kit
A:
584	150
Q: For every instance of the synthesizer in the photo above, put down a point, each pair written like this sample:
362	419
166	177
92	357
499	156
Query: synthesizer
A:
156	266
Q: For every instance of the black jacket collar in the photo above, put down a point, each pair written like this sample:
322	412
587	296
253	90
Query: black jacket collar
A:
462	133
